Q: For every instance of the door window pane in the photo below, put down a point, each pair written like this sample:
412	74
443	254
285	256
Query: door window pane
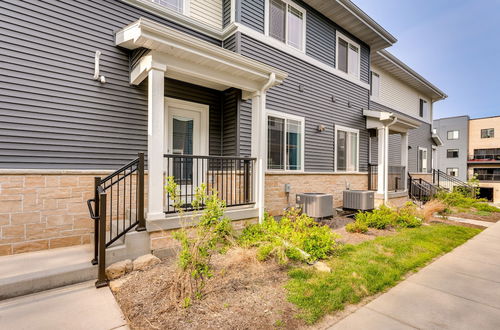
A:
347	151
182	144
422	160
295	27
277	18
341	150
342	56
275	143
294	144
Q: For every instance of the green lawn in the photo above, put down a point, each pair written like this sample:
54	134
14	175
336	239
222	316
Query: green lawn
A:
370	267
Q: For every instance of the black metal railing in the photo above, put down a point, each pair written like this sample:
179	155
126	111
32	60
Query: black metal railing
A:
493	157
117	208
396	175
450	183
421	190
488	177
232	177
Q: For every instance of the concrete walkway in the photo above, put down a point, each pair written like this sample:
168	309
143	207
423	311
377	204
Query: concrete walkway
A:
79	306
460	290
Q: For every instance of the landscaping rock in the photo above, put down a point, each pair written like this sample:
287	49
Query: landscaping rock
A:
116	285
322	267
118	269
145	261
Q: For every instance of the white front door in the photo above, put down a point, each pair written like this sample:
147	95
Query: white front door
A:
187	134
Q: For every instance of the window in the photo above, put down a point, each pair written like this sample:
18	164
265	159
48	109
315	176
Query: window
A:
487	133
423	108
346	149
453	171
285	142
176	5
422	160
348	56
452	153
453	135
375	85
286	23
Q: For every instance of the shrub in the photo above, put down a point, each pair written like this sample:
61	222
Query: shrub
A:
407	216
485	207
463	203
356	227
380	218
295	236
432	207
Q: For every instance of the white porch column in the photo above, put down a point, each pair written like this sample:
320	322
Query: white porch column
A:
156	133
258	148
381	160
404	157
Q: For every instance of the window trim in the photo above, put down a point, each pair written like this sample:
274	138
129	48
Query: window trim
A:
349	42
420	160
448	134
452	168
267	12
345	129
186	7
376	97
286	116
452	150
489	136
422	101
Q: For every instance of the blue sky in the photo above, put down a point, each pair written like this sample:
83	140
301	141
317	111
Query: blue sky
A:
455	44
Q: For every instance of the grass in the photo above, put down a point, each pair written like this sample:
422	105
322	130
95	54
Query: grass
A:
370	267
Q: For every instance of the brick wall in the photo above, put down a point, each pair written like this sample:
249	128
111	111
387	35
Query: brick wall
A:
276	199
47	211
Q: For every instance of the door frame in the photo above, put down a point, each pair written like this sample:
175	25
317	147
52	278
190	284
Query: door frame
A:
204	111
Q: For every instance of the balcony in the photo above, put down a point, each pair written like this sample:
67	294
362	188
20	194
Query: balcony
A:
489	177
484	158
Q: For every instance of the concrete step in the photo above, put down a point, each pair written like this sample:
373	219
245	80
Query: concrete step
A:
31	272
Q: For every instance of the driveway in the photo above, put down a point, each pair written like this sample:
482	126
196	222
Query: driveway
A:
460	290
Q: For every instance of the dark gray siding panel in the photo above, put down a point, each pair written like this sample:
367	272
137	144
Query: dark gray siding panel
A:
419	137
136	55
314	104
230	43
364	70
394	150
245	128
188	92
226	12
230	135
252	14
53	114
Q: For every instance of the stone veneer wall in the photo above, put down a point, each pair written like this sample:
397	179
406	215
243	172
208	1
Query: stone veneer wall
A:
45	211
330	183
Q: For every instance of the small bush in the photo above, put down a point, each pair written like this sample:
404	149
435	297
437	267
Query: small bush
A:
407	216
463	203
431	207
380	218
485	207
295	236
356	227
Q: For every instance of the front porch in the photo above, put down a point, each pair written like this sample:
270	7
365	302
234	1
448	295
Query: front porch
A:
189	138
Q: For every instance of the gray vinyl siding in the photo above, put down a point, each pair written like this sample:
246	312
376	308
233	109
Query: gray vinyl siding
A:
54	115
230	122
231	43
394	150
320	34
419	137
314	104
442	127
251	14
226	13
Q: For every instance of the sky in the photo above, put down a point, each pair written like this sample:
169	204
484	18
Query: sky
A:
454	44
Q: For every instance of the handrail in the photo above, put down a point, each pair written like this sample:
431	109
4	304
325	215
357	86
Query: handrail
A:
209	157
128	195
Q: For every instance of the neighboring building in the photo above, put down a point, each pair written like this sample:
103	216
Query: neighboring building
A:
484	155
260	99
451	157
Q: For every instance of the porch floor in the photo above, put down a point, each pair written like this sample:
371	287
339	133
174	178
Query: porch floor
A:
30	272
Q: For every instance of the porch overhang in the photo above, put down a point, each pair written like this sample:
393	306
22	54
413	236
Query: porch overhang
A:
398	123
192	60
437	140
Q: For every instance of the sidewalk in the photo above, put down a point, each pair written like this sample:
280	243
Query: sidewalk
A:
79	306
460	290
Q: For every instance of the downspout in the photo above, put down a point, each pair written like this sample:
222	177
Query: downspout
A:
262	143
386	159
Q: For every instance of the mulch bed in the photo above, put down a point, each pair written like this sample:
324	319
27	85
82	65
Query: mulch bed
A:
243	294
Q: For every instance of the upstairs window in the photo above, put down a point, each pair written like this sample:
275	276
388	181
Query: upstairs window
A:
284	142
348	56
175	5
423	108
452	153
453	135
375	85
487	133
286	23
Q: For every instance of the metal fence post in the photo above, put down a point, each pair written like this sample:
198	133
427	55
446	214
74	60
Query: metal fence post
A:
101	273
247	180
140	205
97	182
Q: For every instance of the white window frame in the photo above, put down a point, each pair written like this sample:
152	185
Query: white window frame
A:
352	130
373	96
453	135
349	42
304	23
422	170
186	5
455	169
286	116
